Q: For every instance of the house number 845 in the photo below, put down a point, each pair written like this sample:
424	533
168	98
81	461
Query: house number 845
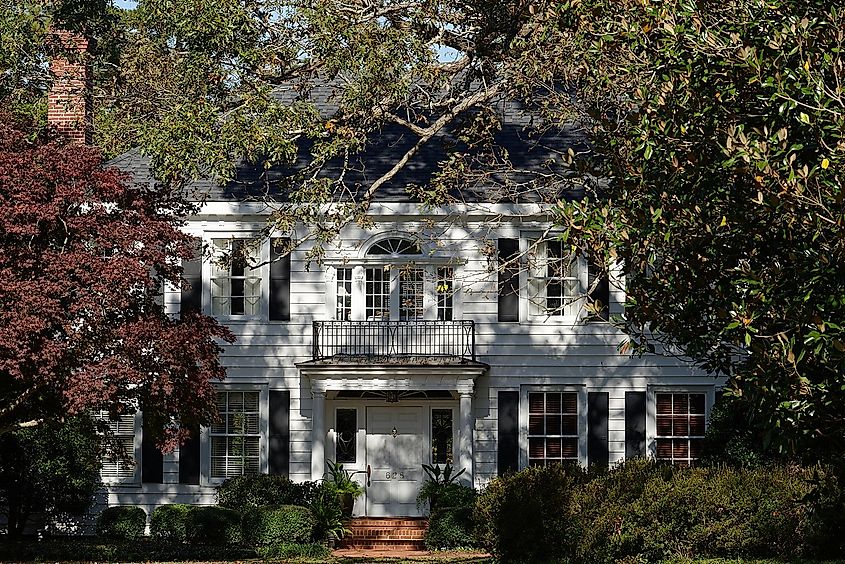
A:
394	475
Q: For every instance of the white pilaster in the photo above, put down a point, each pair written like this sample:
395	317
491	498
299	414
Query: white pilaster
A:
466	418
318	434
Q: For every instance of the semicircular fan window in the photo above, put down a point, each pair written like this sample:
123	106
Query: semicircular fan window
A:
395	246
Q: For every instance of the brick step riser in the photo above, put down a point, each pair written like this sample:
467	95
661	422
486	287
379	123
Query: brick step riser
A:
387	537
384	545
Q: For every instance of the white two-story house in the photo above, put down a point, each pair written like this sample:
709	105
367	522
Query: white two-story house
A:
455	334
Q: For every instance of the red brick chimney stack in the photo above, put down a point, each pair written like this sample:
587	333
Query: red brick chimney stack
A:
69	104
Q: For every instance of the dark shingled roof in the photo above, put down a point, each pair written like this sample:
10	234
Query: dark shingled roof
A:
527	151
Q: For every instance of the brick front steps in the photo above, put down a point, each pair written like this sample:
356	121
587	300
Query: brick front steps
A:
386	534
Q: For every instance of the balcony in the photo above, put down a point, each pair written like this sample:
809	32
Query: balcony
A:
387	341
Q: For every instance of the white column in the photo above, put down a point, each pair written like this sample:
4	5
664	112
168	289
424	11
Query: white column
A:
466	419
318	434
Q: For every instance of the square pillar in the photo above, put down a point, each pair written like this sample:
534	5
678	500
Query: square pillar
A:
318	434
466	439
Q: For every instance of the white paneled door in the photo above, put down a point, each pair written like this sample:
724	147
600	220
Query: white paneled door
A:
395	456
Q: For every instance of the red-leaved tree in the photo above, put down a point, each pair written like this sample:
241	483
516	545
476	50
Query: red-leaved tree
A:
83	260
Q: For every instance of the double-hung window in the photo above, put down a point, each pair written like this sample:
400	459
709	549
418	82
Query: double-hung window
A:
680	427
235	441
552	428
236	278
118	460
556	283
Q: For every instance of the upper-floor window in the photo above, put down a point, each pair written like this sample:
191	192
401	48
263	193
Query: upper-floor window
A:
397	280
563	284
235	278
239	278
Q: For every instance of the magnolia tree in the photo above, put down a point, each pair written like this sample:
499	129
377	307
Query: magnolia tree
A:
82	326
719	126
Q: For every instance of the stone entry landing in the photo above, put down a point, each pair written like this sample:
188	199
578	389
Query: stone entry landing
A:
386	534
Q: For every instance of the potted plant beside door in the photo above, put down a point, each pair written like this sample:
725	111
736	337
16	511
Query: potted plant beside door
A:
347	488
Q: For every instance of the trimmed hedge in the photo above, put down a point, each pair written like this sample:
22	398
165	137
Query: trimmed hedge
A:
168	522
122	522
655	512
528	516
288	524
213	525
264	490
641	511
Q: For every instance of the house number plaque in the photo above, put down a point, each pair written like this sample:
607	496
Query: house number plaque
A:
394	475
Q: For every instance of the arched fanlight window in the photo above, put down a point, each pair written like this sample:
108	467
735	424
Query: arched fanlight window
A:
395	246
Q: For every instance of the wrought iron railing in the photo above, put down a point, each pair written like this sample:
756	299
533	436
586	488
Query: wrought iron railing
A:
389	339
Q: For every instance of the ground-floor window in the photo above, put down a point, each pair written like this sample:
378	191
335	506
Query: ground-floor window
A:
235	440
680	426
552	427
118	460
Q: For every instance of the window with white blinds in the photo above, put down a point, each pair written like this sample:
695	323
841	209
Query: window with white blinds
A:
236	439
119	466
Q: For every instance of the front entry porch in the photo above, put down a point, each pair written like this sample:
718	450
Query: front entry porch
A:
383	422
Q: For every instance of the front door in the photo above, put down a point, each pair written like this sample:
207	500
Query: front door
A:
395	456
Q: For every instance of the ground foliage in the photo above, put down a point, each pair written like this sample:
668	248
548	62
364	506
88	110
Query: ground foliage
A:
47	470
82	324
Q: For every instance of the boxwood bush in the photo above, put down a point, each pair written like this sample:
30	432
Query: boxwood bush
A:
168	522
264	490
122	522
288	524
528	516
213	525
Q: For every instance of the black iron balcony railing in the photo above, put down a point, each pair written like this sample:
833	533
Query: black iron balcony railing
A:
388	339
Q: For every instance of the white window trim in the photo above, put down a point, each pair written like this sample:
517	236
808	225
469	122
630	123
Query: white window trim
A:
263	273
651	409
359	297
581	390
135	480
263	429
533	307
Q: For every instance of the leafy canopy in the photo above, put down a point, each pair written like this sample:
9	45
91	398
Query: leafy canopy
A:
719	126
82	323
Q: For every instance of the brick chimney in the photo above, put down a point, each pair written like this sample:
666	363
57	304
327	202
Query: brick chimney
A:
69	104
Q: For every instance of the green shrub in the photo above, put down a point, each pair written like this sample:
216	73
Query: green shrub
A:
213	525
329	521
264	526
263	490
826	504
527	516
168	522
450	528
287	551
645	510
122	522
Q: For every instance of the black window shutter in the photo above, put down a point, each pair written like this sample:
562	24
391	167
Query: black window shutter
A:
598	452
509	280
152	461
189	459
191	299
601	293
279	451
280	279
634	424
508	432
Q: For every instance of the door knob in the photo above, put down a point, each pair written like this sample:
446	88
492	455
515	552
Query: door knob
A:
369	472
